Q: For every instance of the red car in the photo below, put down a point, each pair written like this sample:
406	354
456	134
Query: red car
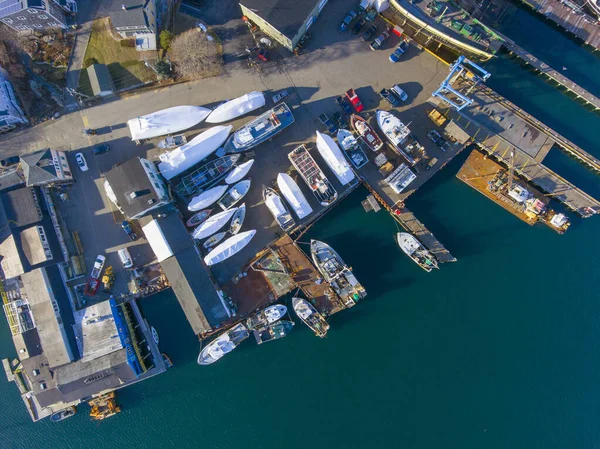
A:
354	100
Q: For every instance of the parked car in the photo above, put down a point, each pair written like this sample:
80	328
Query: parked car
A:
397	90
9	161
342	103
328	124
354	100
83	166
368	35
380	40
340	120
399	51
127	228
358	26
388	96
438	139
347	20
280	96
100	149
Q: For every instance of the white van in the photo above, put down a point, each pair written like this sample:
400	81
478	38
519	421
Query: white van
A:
399	92
125	258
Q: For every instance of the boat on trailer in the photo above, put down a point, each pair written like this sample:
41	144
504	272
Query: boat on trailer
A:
310	316
207	175
166	121
337	273
236	108
416	251
223	344
260	129
234	195
366	132
275	205
350	146
198	218
313	176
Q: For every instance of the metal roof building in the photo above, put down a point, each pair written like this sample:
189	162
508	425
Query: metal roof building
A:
100	80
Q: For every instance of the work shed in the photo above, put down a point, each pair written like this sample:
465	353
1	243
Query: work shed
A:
100	80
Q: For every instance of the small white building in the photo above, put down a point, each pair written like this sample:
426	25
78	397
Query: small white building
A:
11	114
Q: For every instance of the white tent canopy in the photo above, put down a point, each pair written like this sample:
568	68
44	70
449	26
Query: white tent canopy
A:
157	240
166	121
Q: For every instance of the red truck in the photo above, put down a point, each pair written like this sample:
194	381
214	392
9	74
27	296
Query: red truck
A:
354	100
92	286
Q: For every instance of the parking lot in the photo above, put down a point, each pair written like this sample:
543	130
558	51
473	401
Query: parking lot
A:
333	63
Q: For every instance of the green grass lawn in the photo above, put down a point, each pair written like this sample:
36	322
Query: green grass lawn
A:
123	63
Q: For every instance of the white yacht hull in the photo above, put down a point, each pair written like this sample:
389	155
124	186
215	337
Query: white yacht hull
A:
166	121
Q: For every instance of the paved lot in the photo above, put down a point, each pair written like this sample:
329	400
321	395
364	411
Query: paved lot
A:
334	63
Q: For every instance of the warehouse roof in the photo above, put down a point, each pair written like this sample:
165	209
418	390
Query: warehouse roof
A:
287	16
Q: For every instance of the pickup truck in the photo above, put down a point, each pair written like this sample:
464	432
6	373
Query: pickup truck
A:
344	105
354	100
92	286
329	126
340	120
388	96
347	20
380	40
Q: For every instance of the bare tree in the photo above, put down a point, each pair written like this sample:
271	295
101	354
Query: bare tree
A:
194	56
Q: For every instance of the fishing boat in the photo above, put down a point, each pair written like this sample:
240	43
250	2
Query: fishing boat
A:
154	335
214	240
396	132
206	198
236	108
368	134
310	316
229	247
166	121
239	172
314	178
223	344
234	195
337	273
63	414
198	218
416	251
274	331
266	316
294	196
334	158
207	175
173	163
172	142
350	145
278	209
260	129
213	224
238	219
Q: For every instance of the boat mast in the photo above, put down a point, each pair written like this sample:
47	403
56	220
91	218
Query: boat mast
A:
511	170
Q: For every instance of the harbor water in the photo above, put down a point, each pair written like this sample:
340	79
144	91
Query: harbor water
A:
498	350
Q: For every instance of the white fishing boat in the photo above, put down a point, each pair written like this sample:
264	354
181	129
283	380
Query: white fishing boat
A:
206	198
236	108
292	193
396	132
235	194
223	344
239	172
275	312
229	247
310	316
166	121
199	148
313	176
213	224
214	239
334	158
238	219
277	208
416	251
198	218
350	146
366	133
154	335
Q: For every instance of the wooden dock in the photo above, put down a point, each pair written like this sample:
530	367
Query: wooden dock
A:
564	143
569	16
307	277
553	74
478	172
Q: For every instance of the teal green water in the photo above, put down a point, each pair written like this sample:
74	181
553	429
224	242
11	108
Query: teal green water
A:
499	350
